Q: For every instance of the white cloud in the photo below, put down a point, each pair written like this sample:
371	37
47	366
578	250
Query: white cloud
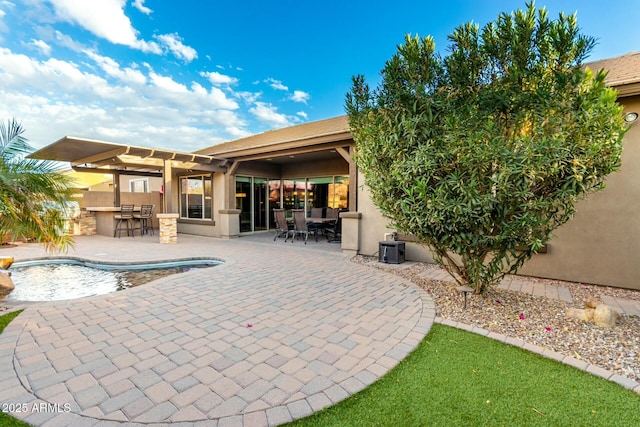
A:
267	113
66	41
139	4
237	132
104	18
276	84
248	97
167	84
112	102
3	25
112	68
219	79
41	46
300	96
173	43
302	114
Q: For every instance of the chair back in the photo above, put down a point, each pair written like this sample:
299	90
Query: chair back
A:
126	211
298	219
281	221
316	212
146	211
332	213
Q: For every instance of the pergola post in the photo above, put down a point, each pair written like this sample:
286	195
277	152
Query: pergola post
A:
116	188
168	188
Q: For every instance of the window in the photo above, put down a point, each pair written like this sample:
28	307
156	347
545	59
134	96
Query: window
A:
196	197
330	191
139	185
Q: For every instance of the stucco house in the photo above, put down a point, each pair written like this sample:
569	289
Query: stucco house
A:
230	189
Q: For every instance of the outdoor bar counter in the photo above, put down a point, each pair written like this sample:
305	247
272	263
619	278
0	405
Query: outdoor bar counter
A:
105	223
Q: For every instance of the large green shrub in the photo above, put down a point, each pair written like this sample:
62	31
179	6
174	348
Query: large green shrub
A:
482	153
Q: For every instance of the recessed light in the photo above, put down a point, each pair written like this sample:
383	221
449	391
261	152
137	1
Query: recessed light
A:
291	157
631	117
268	160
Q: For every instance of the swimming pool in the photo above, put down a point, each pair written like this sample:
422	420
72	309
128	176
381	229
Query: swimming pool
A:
55	279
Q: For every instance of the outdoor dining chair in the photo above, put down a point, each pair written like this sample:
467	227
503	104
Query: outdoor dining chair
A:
124	221
299	225
283	227
333	229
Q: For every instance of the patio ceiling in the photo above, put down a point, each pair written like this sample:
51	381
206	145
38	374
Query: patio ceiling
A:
98	156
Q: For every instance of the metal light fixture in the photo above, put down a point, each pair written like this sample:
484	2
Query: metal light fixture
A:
631	117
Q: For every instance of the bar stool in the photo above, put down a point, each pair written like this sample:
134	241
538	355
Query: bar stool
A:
146	219
124	220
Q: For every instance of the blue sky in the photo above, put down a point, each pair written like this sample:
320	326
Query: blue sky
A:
192	73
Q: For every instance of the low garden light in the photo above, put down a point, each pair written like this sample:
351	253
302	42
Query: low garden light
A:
631	117
464	290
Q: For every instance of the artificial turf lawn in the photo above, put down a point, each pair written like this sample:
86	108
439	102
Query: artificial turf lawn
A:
5	419
457	378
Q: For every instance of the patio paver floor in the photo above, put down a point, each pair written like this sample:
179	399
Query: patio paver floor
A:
278	331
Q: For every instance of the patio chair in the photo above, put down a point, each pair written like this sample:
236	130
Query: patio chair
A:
317	212
283	227
145	218
124	221
333	230
328	226
299	225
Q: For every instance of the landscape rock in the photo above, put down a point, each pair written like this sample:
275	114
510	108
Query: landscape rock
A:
5	262
584	314
591	302
6	285
604	315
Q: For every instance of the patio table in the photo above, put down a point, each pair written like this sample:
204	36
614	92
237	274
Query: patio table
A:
316	222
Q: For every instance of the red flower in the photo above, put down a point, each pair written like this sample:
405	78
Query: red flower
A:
249	325
521	316
548	329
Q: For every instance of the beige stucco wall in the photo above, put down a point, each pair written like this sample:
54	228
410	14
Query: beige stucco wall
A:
106	198
313	169
599	245
602	242
373	227
155	183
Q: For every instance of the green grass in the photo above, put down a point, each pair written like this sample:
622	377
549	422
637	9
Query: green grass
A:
7	318
456	378
5	419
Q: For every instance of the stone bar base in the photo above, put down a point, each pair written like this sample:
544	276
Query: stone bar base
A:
168	227
86	224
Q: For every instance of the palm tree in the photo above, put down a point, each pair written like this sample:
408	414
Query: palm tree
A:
32	194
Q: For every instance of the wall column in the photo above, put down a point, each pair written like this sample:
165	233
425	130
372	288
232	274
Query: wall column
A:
229	223
350	232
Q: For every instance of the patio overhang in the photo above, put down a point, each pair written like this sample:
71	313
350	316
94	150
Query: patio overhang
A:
97	156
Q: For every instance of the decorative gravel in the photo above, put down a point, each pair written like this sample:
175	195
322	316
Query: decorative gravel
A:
538	320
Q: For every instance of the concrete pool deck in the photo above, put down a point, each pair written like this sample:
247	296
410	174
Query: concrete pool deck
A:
280	330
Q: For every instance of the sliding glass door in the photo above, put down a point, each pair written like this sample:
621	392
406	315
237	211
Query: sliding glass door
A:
243	202
253	198
258	197
260	204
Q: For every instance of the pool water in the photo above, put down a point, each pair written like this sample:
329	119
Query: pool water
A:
63	281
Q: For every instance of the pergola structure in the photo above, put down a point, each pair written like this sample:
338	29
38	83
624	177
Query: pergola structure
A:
86	155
